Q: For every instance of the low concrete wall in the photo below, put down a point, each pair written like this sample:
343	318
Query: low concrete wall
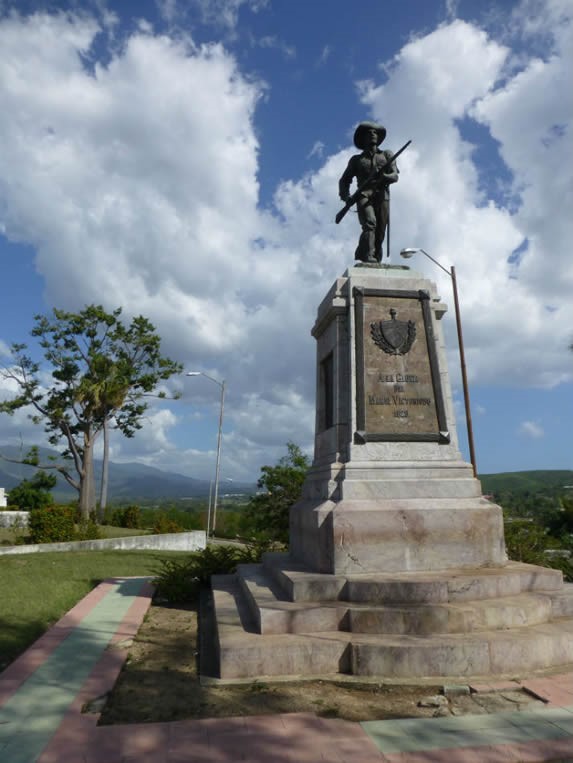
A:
191	541
14	518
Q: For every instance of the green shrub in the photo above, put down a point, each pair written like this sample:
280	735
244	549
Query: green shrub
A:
187	520
180	580
164	524
129	517
88	529
52	524
33	493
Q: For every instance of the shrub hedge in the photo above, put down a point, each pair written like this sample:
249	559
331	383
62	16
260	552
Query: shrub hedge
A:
52	524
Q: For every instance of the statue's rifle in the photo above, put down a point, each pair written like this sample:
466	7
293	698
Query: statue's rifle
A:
376	173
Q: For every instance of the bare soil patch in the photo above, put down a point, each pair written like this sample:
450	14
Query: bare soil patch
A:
160	683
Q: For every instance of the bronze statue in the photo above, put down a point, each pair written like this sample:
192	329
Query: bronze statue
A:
374	170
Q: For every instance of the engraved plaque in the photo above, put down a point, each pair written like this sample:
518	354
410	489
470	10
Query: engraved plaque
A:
399	396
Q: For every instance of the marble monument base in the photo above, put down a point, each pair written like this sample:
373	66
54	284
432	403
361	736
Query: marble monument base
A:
396	566
398	517
278	619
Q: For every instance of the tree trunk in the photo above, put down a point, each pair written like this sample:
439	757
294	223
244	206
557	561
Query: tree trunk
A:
87	482
104	471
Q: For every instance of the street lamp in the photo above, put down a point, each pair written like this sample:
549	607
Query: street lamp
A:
218	462
407	253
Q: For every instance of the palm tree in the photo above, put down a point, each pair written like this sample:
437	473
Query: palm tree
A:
103	391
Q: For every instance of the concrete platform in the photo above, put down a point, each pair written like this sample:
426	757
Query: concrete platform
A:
275	619
36	729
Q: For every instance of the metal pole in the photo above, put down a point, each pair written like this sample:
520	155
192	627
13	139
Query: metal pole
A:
388	228
464	375
209	510
218	456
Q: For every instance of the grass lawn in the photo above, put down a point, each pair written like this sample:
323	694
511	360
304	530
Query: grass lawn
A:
37	589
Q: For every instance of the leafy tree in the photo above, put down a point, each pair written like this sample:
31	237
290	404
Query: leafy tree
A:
33	493
102	372
267	513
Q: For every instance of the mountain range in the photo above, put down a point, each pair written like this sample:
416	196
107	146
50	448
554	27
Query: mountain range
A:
126	480
134	481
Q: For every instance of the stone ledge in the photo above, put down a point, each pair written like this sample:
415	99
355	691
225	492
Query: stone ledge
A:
191	541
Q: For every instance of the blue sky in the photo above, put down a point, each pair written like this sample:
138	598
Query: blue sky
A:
181	159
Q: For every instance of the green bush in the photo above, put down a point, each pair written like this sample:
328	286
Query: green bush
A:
187	520
33	493
88	529
180	580
129	517
52	524
164	524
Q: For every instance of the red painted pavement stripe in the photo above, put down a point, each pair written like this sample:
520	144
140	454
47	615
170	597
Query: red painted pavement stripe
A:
78	729
38	652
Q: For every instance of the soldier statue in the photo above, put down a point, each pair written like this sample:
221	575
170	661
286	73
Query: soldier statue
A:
374	170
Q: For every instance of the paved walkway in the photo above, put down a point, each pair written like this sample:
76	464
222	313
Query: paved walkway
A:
42	694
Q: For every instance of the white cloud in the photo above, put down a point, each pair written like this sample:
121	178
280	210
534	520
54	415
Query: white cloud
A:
274	42
531	429
439	203
137	185
317	150
225	13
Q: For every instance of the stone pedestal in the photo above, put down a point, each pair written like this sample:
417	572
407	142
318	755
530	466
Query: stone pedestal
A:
397	565
388	490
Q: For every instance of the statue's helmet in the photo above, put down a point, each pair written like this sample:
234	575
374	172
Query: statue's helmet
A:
361	132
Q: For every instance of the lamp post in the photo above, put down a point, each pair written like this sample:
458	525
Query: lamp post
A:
407	253
219	436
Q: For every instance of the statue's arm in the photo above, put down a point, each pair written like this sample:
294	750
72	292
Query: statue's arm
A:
391	170
345	181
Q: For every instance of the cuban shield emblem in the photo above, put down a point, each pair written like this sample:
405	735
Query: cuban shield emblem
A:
394	337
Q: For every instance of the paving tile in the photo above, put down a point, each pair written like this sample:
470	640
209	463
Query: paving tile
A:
542	750
560	698
187	730
480	688
71	755
157	756
274	724
342	750
481	754
132	739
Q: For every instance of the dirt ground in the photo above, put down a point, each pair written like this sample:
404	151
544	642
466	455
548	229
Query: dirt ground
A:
160	682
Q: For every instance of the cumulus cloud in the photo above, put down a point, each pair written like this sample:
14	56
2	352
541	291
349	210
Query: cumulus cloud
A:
135	180
441	204
531	429
225	13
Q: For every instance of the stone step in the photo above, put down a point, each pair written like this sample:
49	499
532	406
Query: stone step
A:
517	650
438	586
244	654
468	617
417	487
453	585
562	602
271	614
298	583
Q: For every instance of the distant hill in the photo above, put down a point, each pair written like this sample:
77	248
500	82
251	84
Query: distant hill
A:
126	480
133	481
550	480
